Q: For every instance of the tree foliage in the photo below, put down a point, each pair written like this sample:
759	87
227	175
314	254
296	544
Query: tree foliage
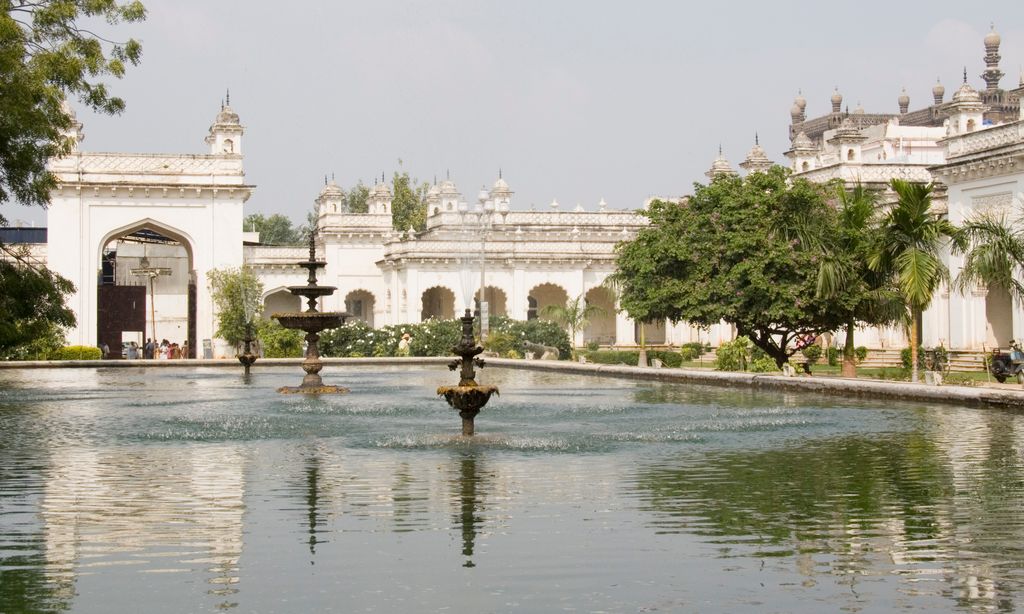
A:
275	229
843	270
408	203
237	296
994	253
575	315
906	246
47	55
734	252
33	313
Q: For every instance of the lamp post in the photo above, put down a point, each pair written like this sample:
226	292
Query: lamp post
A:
483	218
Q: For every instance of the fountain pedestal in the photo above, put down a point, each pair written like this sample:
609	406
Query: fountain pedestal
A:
468	397
312	322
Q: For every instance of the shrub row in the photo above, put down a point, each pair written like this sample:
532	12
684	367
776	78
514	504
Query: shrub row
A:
632	357
437	337
76	352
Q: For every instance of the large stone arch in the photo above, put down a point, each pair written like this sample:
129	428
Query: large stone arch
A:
437	302
360	304
546	294
280	299
497	301
134	306
602	323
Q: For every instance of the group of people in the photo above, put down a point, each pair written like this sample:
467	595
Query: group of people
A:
164	350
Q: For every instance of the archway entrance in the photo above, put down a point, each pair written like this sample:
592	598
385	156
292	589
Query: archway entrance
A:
146	290
602	324
439	303
497	302
280	301
545	295
359	304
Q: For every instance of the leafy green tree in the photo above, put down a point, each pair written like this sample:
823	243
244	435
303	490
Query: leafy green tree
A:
408	203
994	249
906	246
33	314
356	198
278	341
575	315
236	294
46	55
274	230
733	252
843	271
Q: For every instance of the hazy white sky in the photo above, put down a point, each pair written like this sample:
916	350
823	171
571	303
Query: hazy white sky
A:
574	100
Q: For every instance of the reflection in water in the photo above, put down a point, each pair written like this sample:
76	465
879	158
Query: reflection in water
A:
470	504
102	509
119	493
911	504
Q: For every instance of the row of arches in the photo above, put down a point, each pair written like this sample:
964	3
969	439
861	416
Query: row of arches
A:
439	302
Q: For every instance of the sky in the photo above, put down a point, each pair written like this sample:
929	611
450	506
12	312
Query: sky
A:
573	100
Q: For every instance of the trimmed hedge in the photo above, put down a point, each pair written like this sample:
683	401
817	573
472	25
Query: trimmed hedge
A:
76	352
631	358
437	337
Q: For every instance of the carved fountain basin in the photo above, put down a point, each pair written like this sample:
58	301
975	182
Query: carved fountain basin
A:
311	322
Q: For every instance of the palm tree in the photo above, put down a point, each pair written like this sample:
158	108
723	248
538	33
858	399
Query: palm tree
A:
994	251
842	267
907	245
574	316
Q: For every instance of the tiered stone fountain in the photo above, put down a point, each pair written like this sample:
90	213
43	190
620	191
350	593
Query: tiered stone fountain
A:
468	397
312	322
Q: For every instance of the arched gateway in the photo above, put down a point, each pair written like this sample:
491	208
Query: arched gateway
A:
186	208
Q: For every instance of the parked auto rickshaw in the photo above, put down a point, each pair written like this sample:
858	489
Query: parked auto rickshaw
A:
1003	366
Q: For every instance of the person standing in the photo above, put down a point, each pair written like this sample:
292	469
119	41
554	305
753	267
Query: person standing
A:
147	350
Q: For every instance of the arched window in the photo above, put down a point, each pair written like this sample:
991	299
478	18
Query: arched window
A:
849	154
970	125
229	146
806	166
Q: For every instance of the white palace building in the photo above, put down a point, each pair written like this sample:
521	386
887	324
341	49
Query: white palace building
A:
137	233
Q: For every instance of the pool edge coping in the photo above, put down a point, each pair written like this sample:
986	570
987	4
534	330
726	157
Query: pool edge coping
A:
904	391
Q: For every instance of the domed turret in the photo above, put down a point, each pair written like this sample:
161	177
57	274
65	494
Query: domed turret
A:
379	201
757	160
802	152
800	101
966	93
501	194
992	74
859	109
226	131
837	101
903	101
938	92
720	167
74	131
331	198
992	39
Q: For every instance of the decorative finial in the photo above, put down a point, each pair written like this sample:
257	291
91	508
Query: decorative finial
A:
447	174
499	172
332	175
227	97
325	179
756	141
382	180
221	104
965	74
719	150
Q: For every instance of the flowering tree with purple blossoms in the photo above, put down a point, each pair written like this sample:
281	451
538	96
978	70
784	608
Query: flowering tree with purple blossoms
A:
740	250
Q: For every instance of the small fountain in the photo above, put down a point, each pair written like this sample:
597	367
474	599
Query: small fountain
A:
468	397
312	322
247	358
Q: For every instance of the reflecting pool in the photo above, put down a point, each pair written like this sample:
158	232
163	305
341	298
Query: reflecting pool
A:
178	490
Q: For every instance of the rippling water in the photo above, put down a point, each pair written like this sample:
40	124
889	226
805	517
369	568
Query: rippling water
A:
172	490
